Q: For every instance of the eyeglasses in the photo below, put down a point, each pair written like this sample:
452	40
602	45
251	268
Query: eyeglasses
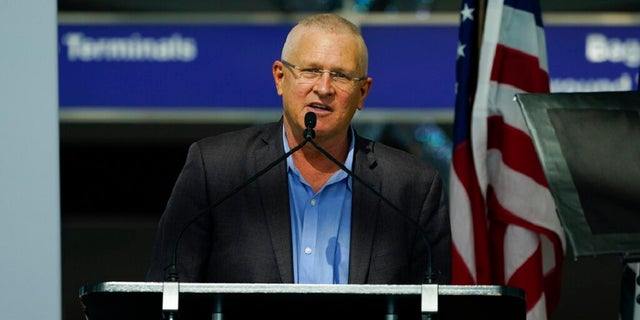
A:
309	75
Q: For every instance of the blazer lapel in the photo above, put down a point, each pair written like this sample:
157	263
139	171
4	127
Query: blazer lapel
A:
364	211
274	196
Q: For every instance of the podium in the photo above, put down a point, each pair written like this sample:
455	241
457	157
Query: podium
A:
222	301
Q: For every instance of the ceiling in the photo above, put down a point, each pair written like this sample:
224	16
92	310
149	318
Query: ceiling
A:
324	5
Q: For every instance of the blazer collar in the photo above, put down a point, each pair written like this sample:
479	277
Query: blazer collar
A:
364	211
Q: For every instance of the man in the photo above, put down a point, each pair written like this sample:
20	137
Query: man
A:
306	220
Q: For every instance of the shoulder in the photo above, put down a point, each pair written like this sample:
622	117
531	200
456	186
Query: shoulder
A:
393	161
243	138
234	146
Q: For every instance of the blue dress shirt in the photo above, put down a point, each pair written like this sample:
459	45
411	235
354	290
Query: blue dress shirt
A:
320	225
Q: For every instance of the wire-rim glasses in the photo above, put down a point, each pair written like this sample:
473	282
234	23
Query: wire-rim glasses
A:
309	75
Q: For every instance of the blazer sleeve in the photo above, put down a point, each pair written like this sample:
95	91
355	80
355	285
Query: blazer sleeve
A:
435	221
184	226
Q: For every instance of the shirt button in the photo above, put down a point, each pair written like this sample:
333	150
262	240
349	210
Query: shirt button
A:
307	250
313	202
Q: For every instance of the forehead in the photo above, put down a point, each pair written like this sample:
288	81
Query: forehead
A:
315	46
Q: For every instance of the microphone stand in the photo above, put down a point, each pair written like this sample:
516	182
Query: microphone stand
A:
172	274
170	289
170	293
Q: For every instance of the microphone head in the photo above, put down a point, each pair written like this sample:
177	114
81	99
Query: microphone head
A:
310	123
310	120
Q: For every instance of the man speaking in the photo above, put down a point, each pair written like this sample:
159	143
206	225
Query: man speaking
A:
341	209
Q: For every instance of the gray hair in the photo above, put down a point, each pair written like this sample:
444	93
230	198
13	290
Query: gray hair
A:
331	23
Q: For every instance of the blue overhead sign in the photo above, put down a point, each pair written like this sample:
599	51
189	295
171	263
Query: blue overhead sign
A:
593	58
209	66
161	66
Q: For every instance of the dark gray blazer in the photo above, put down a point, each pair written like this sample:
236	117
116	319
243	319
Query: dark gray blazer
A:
247	238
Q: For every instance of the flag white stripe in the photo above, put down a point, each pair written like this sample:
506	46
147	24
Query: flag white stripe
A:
539	310
462	233
480	112
518	24
519	245
502	103
512	186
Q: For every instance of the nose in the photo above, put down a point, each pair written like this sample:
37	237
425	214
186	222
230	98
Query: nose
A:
323	86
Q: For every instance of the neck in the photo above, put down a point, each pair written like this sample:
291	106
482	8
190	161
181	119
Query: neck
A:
337	146
313	165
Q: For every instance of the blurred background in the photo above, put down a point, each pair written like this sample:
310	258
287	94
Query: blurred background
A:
127	119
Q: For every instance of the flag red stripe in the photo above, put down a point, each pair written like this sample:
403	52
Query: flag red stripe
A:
552	280
496	233
529	277
516	147
508	67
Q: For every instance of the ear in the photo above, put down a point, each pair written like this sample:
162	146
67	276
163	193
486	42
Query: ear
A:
278	74
364	90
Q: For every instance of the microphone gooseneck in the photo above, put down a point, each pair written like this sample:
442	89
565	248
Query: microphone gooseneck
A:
429	274
170	291
172	272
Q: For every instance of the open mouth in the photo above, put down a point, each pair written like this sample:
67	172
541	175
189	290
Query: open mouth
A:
320	107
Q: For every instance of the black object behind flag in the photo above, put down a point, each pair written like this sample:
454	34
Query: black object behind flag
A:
589	147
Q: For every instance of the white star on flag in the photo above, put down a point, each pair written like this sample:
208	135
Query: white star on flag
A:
461	49
467	13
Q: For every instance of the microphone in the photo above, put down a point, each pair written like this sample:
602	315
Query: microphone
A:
429	274
170	288
310	123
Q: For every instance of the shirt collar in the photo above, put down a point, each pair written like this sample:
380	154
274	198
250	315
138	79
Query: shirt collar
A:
348	163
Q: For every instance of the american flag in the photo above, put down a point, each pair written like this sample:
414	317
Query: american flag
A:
504	224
